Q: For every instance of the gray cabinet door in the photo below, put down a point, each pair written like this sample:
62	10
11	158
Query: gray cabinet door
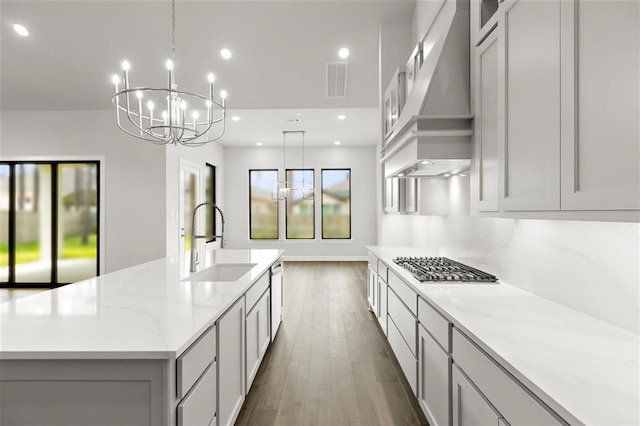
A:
486	123
434	383
529	84
600	105
231	363
258	336
372	290
470	407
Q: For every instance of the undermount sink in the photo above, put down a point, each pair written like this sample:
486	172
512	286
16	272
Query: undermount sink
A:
221	272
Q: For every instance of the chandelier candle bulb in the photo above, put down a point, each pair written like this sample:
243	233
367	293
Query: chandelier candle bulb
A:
169	65
211	79
195	120
139	96
115	80
150	107
125	73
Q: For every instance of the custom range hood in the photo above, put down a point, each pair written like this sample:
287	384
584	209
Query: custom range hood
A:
432	136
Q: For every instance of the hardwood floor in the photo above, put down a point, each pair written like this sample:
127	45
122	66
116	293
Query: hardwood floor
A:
330	363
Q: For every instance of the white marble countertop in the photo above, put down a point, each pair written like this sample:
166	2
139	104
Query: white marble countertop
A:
583	368
142	312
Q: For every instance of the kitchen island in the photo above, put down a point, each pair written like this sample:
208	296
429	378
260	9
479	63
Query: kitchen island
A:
505	354
136	346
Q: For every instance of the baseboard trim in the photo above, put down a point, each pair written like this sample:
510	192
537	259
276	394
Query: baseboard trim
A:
325	258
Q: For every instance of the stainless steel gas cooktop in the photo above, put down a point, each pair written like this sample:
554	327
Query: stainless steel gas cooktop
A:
442	269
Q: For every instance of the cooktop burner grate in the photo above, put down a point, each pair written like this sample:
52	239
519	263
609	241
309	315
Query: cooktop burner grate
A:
442	269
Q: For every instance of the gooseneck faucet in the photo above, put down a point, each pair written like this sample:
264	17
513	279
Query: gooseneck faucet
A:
194	237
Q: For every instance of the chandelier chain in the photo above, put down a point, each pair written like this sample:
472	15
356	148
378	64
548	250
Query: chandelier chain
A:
284	156
173	30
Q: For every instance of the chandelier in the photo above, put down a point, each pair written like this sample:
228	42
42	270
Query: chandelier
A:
186	118
286	189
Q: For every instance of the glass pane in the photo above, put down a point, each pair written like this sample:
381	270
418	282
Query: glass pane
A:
33	223
77	222
336	203
4	222
263	209
210	197
300	205
190	186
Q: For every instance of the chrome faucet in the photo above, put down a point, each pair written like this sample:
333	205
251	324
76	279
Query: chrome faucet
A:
194	237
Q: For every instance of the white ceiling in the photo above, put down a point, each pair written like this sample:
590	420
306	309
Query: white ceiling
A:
277	70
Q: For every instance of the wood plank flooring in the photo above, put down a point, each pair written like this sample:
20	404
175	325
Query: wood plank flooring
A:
330	363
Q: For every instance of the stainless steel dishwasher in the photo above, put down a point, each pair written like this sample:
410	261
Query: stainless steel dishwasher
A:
277	299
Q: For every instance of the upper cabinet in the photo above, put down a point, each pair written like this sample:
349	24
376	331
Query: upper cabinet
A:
600	105
567	110
394	98
529	105
484	19
486	123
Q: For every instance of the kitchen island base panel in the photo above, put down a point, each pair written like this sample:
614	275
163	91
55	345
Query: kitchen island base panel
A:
100	392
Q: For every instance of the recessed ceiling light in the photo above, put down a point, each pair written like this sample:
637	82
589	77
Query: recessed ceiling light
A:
21	30
343	53
447	175
342	117
400	174
462	175
225	53
336	143
259	143
425	162
235	118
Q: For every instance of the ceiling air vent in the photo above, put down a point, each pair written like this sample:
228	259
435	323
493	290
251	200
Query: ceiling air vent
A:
337	79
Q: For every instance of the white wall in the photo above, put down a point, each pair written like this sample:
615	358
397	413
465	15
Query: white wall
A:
134	172
361	161
592	267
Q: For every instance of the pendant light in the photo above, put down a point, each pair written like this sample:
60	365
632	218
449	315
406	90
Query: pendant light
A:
282	189
285	188
307	192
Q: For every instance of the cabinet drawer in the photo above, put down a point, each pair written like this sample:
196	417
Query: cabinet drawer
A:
404	320
383	271
373	262
194	361
199	406
407	361
437	325
256	290
406	294
510	398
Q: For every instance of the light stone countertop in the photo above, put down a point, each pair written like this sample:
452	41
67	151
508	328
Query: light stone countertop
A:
583	368
142	312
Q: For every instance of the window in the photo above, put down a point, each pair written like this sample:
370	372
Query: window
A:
300	206
210	197
49	222
336	203
263	210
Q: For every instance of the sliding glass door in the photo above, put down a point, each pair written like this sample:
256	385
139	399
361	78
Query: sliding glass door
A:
33	219
49	223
